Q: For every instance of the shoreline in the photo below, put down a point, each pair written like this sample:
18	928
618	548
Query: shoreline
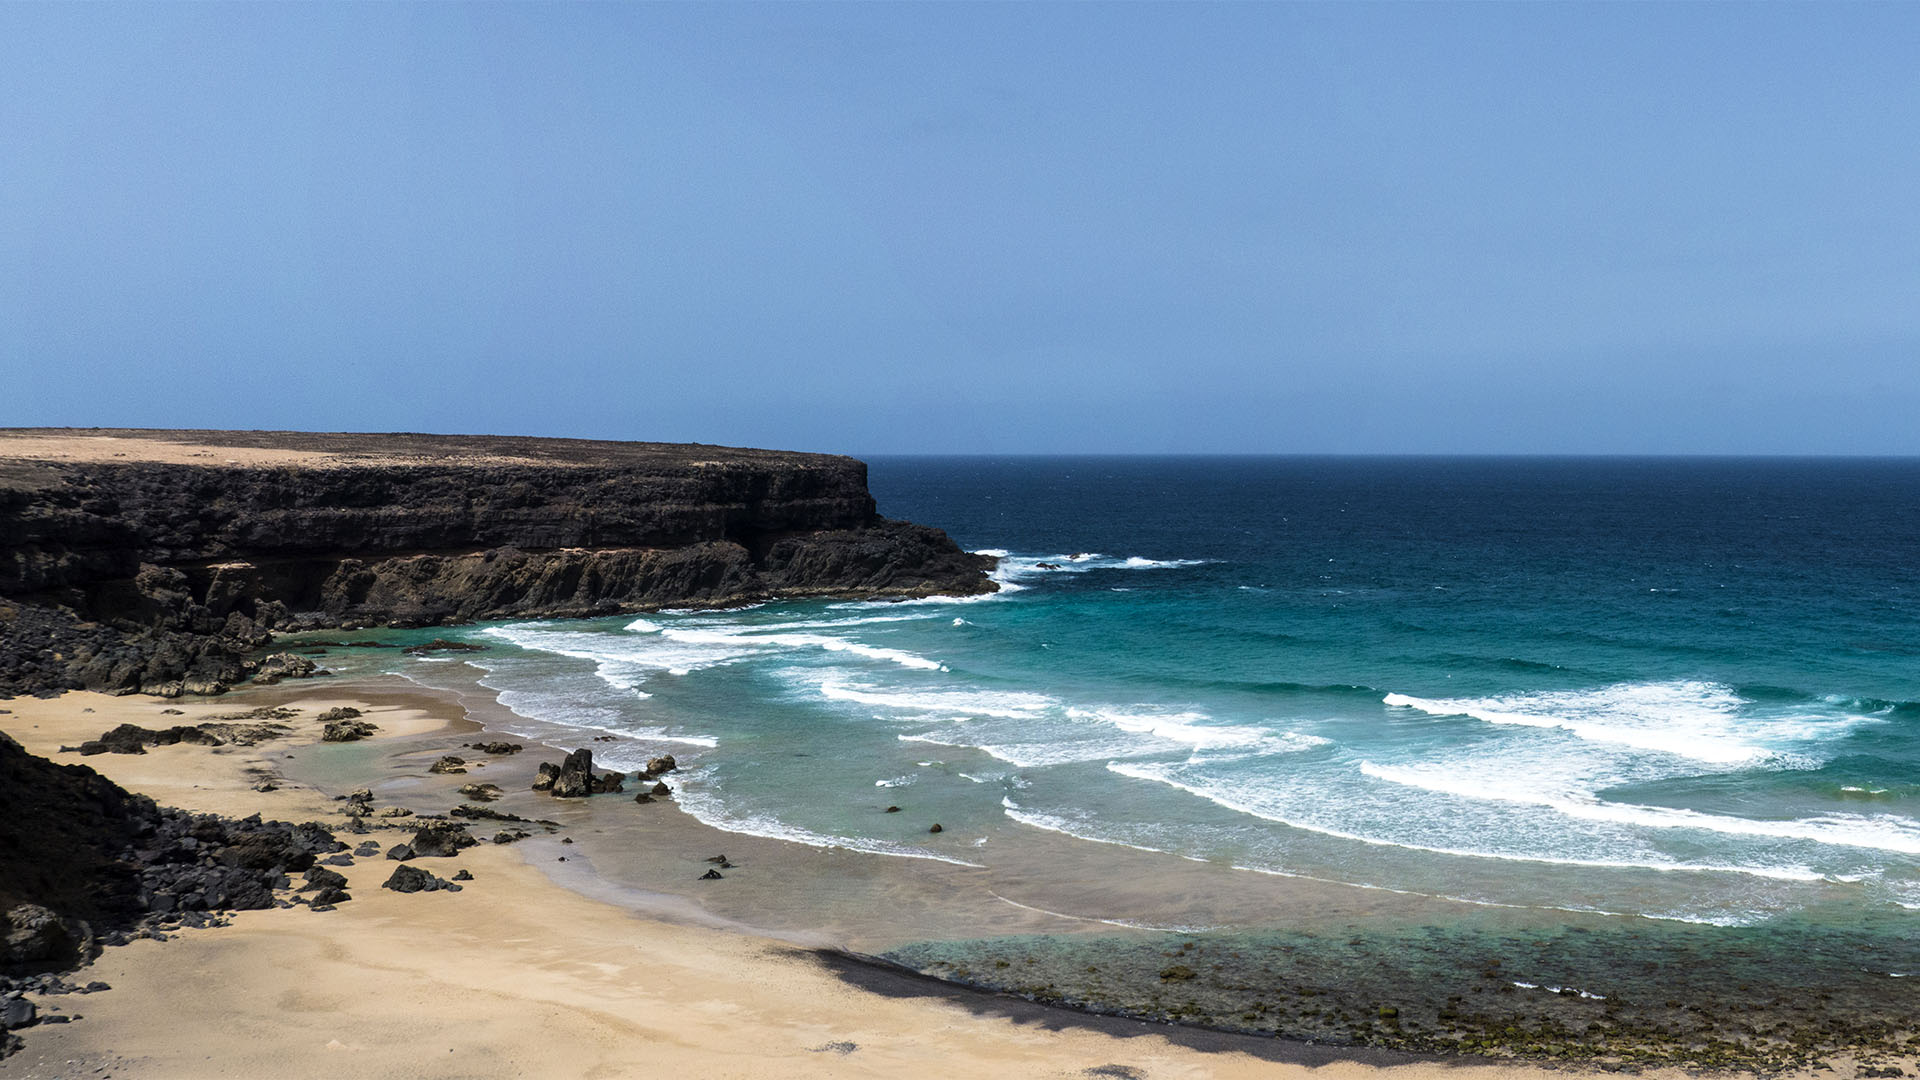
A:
518	964
419	724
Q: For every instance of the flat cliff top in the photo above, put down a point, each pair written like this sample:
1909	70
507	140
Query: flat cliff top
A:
314	449
25	451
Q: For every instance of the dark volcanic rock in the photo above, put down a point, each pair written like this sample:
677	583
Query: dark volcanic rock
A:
440	839
141	575
496	747
134	739
80	858
449	764
574	779
443	645
347	731
545	776
410	879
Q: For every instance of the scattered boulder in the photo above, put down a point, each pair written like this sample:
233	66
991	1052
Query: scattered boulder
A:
463	875
396	812
574	778
498	748
481	792
544	777
320	877
482	813
936	828
348	730
37	936
711	875
449	764
659	766
508	836
1177	973
344	712
367	849
643	797
17	1013
400	852
893	809
660	789
271	669
134	739
412	879
443	645
441	839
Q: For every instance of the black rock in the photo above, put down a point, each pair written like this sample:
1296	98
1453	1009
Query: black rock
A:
660	789
134	739
344	712
463	875
659	766
936	827
17	1013
711	875
575	778
448	764
496	747
367	848
440	839
443	645
481	792
400	851
321	878
893	809
346	730
412	879
544	777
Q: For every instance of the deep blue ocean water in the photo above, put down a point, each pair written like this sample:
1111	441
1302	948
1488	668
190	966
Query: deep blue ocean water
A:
1684	689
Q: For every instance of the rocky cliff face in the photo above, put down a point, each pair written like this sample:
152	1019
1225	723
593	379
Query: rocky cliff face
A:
135	560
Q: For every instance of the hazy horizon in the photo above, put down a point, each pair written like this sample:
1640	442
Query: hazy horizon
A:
1569	229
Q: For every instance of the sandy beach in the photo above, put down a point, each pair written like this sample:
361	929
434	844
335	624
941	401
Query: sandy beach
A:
516	975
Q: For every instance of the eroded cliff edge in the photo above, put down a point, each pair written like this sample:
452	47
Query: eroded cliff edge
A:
155	561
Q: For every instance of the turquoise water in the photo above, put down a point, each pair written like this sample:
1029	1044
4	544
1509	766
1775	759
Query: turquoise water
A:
1684	690
1647	729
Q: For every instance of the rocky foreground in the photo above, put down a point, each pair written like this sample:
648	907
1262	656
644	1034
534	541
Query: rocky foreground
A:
157	561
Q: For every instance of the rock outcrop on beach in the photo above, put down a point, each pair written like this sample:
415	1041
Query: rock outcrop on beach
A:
83	861
161	561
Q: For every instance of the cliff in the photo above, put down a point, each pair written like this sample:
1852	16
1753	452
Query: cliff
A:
155	560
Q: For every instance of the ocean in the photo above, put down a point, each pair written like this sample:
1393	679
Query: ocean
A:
1671	703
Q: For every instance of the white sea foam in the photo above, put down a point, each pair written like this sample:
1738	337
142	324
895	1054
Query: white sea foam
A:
709	809
1010	704
1128	923
1561	989
744	637
1054	823
1698	720
1883	832
1242	799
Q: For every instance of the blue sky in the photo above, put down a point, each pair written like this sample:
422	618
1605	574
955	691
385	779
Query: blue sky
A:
888	228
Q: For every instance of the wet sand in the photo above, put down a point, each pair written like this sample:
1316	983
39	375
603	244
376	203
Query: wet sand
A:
519	976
